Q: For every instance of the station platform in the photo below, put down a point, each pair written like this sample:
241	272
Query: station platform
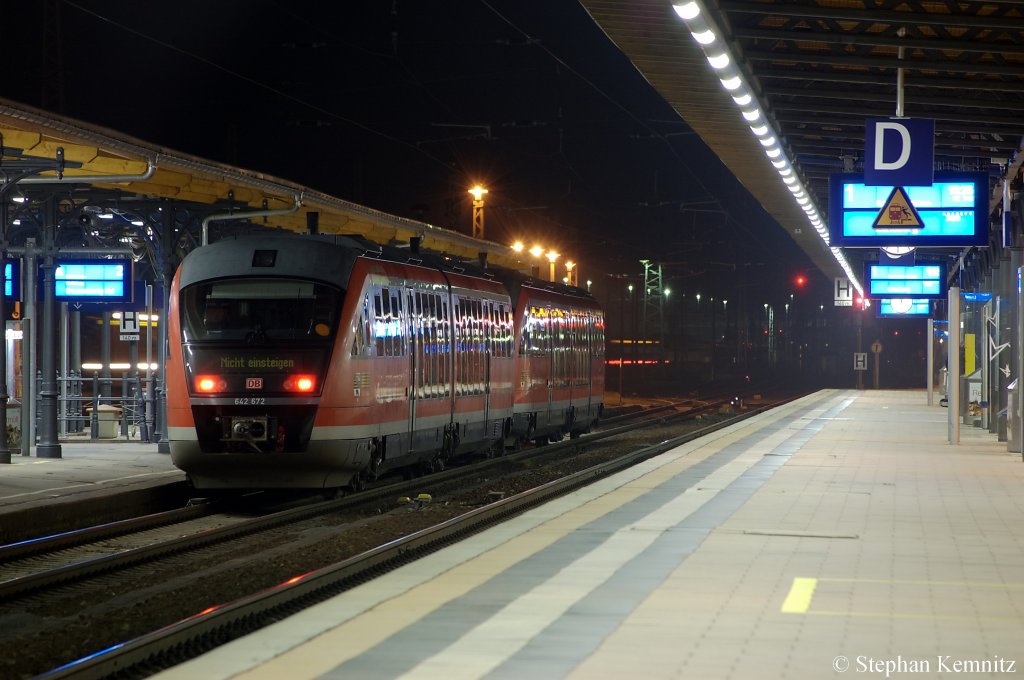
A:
91	480
837	534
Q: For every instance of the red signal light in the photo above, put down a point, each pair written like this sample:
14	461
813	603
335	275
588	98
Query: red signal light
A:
800	280
208	384
300	383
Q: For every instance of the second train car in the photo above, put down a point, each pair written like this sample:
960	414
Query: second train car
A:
319	362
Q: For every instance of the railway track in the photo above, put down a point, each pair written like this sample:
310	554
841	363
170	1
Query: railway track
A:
205	529
35	565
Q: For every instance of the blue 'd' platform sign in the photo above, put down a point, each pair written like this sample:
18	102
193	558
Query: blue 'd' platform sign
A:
899	151
953	212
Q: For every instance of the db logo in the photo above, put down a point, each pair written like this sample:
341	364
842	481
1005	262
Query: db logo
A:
254	383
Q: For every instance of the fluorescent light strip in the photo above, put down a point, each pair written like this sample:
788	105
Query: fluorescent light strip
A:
704	31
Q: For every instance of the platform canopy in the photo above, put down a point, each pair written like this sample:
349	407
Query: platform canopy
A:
820	68
31	137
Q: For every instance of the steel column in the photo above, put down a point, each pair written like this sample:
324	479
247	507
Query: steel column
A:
49	444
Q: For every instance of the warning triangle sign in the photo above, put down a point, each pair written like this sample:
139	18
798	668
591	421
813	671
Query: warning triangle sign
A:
898	212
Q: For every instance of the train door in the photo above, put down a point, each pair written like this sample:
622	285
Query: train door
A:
414	333
572	351
552	362
587	362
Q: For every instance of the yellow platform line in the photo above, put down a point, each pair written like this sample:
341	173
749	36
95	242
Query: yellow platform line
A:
917	617
798	601
923	582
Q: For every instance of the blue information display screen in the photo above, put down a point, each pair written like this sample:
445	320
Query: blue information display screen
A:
905	281
12	279
953	212
903	307
93	280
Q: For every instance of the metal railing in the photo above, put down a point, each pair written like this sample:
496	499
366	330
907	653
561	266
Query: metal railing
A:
129	401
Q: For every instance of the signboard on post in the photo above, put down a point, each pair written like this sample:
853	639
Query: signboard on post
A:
129	326
952	212
899	151
920	281
860	361
844	292
92	280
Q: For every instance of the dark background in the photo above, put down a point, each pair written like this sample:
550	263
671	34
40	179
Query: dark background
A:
403	106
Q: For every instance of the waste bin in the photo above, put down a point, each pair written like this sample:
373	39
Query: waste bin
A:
970	399
109	420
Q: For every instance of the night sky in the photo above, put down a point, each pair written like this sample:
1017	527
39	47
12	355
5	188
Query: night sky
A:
402	106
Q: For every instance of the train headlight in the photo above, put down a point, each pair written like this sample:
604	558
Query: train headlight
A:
300	383
210	383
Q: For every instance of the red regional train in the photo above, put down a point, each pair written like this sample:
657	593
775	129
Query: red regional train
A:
323	361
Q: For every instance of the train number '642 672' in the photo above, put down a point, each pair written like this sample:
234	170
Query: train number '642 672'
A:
250	401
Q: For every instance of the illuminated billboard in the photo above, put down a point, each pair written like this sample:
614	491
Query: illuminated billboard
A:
919	281
953	212
93	280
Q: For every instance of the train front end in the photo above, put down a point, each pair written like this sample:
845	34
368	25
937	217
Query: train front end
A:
253	325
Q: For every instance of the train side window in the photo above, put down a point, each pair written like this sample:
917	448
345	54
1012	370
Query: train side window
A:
439	345
506	319
378	324
398	334
360	329
479	324
435	345
385	320
459	321
430	343
526	339
488	321
447	366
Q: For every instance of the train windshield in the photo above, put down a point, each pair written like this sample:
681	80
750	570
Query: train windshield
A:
260	310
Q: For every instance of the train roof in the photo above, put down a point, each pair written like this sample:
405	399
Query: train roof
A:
305	255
